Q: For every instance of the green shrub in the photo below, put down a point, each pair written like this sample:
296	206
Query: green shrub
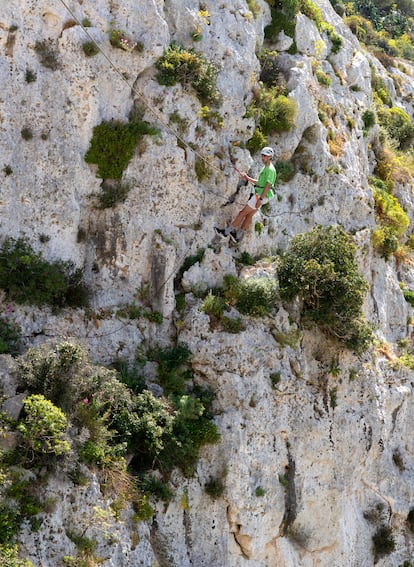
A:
30	76
54	371
368	119
214	487
10	520
383	541
398	126
409	296
252	296
273	111
90	48
230	325
42	430
323	78
28	278
256	142
113	193
285	171
188	67
27	133
202	169
47	53
113	146
320	267
213	305
10	334
9	557
392	220
172	367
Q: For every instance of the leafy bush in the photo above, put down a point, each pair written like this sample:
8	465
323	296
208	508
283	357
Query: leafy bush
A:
42	428
112	193
256	142
26	277
9	557
254	296
10	334
56	371
214	487
392	220
321	269
172	371
113	145
322	77
285	171
186	66
383	541
398	126
90	49
275	112
47	53
368	119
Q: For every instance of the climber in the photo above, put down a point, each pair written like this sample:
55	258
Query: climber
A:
262	194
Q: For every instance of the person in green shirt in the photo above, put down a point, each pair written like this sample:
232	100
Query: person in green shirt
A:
263	185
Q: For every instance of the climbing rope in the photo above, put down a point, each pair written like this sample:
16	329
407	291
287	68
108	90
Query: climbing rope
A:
172	131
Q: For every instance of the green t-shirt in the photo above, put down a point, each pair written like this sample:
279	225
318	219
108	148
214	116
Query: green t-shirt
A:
266	175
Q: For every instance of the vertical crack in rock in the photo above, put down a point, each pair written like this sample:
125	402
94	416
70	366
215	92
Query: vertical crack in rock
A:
187	535
290	495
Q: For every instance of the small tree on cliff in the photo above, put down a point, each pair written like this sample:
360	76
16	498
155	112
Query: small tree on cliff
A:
320	268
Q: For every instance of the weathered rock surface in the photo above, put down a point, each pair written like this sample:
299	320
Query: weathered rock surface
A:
306	461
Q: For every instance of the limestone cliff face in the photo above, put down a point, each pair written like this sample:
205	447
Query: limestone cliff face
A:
311	465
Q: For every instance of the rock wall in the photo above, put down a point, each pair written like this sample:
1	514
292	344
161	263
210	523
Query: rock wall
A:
311	465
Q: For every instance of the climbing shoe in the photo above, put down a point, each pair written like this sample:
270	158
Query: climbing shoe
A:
221	232
234	238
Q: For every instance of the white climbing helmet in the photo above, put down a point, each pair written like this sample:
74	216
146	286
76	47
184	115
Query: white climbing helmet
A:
267	151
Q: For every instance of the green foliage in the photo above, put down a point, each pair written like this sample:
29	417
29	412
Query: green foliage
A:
322	77
27	134
274	112
214	487
90	48
56	371
213	305
9	557
10	520
10	334
172	371
202	169
42	430
383	541
254	296
409	296
260	491
188	67
190	261
28	278
256	142
320	267
285	171
113	145
47	53
275	379
113	193
30	76
398	126
392	222
410	519
368	119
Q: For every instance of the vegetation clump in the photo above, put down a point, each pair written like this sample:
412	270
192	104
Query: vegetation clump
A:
254	296
391	219
26	277
188	67
113	145
320	268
